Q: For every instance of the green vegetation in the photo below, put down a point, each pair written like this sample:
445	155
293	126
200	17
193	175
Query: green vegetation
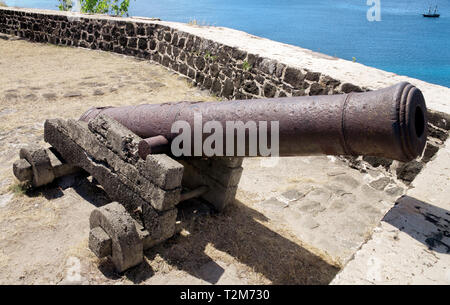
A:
246	66
2	3
111	7
193	22
354	59
208	56
19	189
65	5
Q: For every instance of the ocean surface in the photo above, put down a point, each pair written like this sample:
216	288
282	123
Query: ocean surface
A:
403	41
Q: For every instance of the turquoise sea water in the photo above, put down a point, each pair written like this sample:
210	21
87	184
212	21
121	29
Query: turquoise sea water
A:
403	41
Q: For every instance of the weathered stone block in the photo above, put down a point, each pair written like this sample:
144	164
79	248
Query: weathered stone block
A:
293	77
160	225
312	76
116	137
218	195
100	242
163	171
317	89
269	90
116	222
132	188
217	170
22	170
378	161
408	171
347	88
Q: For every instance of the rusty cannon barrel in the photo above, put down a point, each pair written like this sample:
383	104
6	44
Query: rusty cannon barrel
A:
389	123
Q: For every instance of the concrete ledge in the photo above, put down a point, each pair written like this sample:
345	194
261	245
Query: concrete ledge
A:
411	245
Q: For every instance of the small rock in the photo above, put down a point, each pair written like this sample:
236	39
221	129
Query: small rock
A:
336	173
378	161
4	199
430	150
348	180
155	85
347	88
309	223
313	76
178	252
338	205
73	94
380	184
73	271
312	207
11	97
409	171
394	190
30	97
293	194
98	92
49	96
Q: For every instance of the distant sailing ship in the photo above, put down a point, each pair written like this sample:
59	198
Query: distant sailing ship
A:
430	14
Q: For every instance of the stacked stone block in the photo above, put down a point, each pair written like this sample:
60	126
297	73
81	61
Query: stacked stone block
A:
107	151
220	174
145	192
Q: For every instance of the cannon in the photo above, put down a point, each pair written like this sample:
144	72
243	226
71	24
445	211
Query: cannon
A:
130	153
387	123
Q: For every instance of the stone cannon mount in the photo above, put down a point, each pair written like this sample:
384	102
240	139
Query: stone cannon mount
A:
145	193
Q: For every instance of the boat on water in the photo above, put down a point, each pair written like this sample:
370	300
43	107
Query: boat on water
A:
433	14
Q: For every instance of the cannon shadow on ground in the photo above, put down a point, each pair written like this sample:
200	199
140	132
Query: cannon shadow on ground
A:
424	222
240	232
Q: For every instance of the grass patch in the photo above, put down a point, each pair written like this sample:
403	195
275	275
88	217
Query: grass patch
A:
246	66
209	56
19	189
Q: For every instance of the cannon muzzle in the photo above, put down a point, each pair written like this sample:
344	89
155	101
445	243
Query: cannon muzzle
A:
389	123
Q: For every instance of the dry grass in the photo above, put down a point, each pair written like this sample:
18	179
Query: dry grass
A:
19	188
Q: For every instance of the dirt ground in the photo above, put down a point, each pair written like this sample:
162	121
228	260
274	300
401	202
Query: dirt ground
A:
296	223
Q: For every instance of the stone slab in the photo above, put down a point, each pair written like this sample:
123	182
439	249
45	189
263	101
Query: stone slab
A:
216	169
116	137
160	225
411	245
126	172
99	242
218	195
112	183
162	170
126	245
